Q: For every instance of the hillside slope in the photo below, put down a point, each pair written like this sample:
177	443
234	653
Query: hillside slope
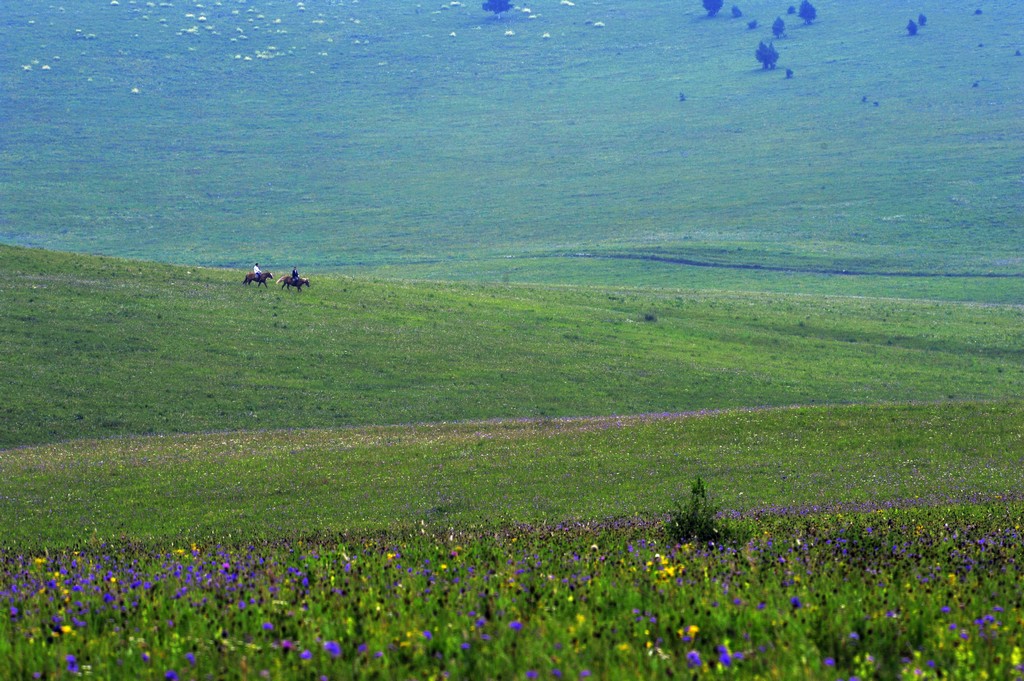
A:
98	346
279	484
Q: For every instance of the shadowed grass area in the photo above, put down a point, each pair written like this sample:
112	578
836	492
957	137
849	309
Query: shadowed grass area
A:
97	347
277	484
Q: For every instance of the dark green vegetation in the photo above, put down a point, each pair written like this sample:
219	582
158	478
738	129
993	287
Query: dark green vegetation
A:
99	347
366	137
698	521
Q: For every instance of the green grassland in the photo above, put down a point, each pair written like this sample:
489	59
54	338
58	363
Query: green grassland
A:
272	485
564	261
439	141
97	347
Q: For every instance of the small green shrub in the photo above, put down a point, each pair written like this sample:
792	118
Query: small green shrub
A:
696	520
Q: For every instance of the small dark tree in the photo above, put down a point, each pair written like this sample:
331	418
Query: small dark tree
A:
779	28
921	20
496	6
713	7
751	25
736	12
912	28
791	10
789	73
807	12
767	55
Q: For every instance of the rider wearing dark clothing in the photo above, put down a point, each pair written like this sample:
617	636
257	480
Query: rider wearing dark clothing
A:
295	276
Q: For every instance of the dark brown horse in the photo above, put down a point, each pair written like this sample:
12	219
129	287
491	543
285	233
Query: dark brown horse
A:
286	282
261	278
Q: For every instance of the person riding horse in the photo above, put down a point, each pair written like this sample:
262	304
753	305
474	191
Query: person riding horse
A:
295	276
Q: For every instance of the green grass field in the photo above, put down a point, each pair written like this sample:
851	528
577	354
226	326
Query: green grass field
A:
367	137
267	485
97	347
564	262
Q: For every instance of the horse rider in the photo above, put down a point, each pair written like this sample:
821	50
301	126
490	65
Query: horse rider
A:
295	276
256	271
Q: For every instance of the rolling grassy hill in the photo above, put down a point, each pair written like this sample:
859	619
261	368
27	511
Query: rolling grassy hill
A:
438	141
669	264
98	347
273	485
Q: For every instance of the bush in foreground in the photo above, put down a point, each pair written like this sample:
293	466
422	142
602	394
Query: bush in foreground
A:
698	520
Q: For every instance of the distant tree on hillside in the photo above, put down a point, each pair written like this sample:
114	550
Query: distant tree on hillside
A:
736	12
779	28
496	6
767	55
791	10
713	7
752	24
921	20
911	28
807	12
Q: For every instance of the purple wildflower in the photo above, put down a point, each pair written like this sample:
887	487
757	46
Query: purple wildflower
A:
515	625
72	664
693	659
305	654
267	626
191	658
333	648
795	602
427	635
171	675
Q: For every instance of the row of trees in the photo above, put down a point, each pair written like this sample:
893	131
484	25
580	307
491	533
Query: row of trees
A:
766	54
807	12
913	27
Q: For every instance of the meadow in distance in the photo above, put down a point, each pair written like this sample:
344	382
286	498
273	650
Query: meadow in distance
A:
565	260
